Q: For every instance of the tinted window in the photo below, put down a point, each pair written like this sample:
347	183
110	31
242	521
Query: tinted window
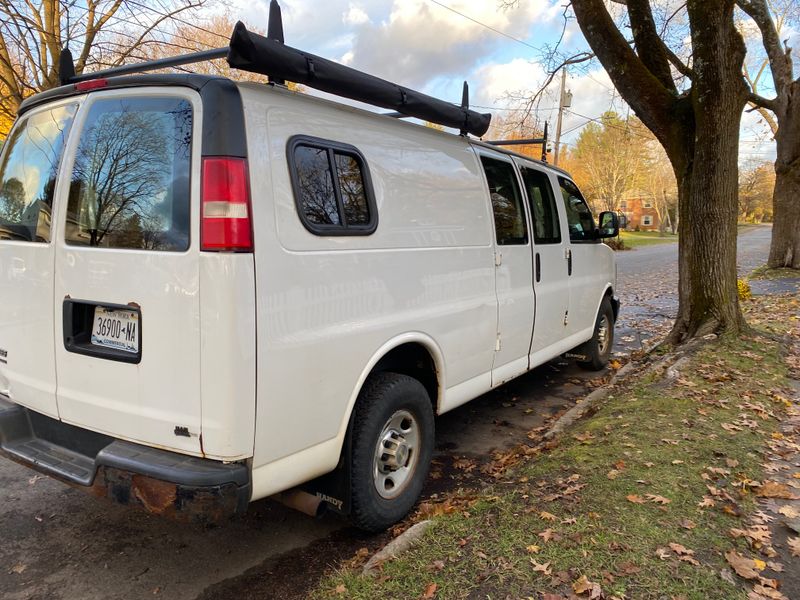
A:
509	213
130	181
579	217
28	174
332	188
546	228
317	194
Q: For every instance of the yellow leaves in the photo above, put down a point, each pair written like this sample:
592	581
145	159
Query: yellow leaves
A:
583	586
612	474
547	516
532	549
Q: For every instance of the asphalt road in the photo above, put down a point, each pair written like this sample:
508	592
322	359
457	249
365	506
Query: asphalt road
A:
60	543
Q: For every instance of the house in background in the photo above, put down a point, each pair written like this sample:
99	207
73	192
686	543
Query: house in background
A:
641	212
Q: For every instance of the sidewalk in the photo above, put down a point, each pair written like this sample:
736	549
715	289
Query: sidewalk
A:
685	483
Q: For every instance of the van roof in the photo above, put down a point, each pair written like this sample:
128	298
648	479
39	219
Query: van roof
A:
198	81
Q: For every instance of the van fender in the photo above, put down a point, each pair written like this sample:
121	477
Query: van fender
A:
333	489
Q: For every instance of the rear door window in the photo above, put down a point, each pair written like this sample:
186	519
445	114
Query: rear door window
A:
509	212
130	181
28	172
546	228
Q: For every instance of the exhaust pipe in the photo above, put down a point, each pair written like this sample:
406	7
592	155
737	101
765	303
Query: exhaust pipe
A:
302	501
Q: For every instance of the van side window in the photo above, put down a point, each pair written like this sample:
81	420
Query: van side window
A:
509	212
546	228
331	187
28	174
579	217
130	182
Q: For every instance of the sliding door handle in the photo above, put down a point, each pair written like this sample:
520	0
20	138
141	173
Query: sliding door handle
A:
538	268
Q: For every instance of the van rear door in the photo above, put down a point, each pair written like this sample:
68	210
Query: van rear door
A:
29	167
127	325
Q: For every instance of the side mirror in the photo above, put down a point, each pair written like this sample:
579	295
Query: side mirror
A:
609	225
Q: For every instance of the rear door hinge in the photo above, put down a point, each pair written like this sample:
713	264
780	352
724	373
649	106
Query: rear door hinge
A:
498	258
497	344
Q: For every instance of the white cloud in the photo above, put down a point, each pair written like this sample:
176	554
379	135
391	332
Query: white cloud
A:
355	15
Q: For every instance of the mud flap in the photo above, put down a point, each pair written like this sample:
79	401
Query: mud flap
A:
333	488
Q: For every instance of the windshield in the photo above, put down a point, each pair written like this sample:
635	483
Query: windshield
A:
28	171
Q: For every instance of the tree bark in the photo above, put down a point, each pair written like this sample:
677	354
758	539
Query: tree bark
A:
700	133
785	247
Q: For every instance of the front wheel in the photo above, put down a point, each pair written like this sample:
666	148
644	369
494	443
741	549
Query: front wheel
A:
598	349
392	444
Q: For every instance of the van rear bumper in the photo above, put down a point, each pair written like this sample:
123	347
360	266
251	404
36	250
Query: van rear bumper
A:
161	482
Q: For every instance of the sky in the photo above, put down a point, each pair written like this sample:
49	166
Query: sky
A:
435	45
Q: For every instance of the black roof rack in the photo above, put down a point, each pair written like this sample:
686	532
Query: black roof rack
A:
269	56
524	142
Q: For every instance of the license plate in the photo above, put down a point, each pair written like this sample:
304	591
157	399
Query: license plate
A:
117	329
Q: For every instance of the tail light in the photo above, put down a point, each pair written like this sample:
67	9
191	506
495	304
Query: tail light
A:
225	221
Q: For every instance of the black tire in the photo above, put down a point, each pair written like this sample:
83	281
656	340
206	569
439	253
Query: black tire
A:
385	398
598	351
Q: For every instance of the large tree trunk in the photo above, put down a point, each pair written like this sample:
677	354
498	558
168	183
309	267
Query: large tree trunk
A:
785	248
707	175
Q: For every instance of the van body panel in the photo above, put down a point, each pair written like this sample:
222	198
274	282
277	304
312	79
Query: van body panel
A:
31	160
156	401
227	354
327	304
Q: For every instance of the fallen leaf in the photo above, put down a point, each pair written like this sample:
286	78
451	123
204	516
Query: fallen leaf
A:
547	516
546	535
532	549
760	592
677	462
789	511
772	489
612	474
341	588
584	586
430	591
731	462
636	499
19	568
438	565
687	524
744	567
662	553
541	568
679	549
658	499
775	566
794	545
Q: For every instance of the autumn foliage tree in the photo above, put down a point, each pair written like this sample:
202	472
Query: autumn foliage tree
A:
100	33
694	109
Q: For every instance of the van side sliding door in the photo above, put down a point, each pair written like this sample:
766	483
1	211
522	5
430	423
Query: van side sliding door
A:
550	267
513	270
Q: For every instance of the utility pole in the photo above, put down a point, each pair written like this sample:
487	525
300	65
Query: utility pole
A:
564	101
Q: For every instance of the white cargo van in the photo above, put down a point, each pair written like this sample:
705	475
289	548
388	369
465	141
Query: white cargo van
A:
214	292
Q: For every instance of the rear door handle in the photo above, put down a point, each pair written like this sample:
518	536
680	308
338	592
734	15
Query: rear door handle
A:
569	262
538	268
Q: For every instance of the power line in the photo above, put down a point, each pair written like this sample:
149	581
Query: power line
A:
489	27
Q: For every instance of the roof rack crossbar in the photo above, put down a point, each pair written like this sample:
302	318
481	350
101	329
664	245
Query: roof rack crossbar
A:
522	142
152	65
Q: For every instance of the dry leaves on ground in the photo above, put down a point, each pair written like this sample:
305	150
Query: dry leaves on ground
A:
746	568
584	586
794	545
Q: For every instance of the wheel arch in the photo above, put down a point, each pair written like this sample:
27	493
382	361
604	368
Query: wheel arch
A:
399	355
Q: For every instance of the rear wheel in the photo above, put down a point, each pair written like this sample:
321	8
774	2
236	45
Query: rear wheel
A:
598	349
392	443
